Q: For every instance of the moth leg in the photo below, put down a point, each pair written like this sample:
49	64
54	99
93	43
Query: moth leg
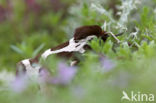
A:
74	62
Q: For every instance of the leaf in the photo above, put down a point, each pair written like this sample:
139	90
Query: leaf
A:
38	50
16	49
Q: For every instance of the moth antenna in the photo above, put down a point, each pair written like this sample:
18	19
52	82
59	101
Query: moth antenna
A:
114	36
119	34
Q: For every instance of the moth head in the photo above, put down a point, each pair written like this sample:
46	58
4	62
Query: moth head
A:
87	31
104	35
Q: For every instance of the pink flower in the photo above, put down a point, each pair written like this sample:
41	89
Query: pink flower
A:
106	64
44	75
2	13
33	5
65	74
20	83
57	5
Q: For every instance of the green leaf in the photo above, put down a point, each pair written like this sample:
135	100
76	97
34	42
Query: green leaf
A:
38	50
16	49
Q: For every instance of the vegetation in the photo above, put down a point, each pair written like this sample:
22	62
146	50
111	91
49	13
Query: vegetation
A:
29	27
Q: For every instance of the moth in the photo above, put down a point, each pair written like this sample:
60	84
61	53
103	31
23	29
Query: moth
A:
77	44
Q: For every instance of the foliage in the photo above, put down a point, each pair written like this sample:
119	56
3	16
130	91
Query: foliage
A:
24	35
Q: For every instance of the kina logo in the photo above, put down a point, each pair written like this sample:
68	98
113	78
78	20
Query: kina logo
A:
137	96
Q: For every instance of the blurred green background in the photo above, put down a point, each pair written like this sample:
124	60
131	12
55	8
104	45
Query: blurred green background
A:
28	27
